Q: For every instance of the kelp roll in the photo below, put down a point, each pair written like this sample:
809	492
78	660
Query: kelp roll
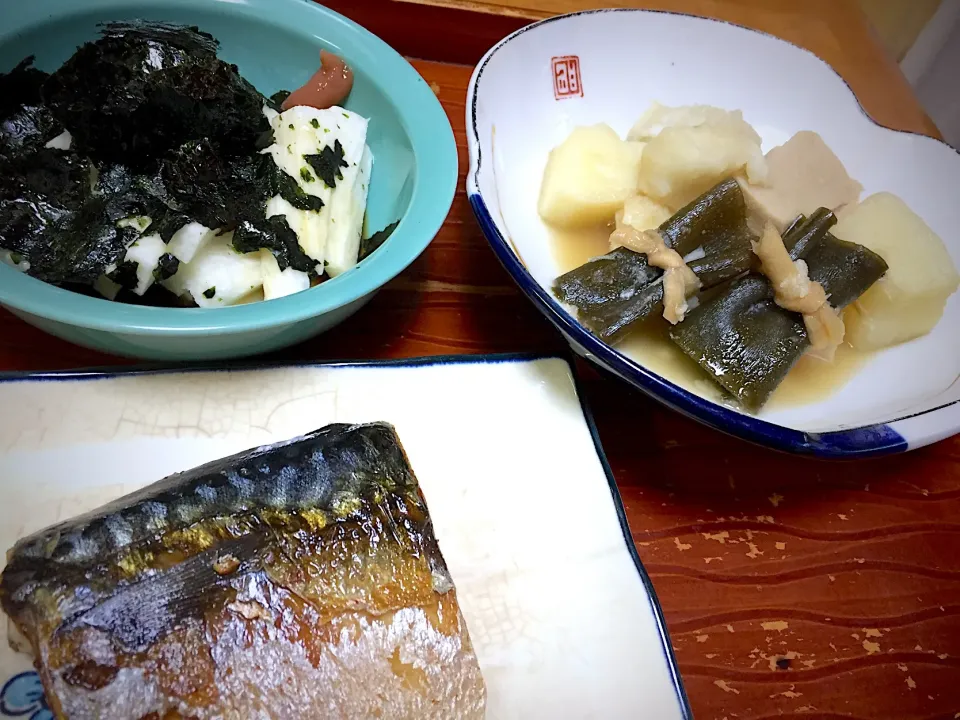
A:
615	292
301	579
748	343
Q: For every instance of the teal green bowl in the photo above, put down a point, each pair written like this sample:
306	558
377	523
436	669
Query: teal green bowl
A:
276	45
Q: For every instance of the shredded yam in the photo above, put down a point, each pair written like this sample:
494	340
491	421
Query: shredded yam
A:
679	281
793	290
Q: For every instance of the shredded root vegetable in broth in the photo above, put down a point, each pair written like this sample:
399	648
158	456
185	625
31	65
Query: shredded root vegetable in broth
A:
679	281
826	331
793	290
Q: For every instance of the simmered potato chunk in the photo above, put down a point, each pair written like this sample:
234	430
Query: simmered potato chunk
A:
909	299
588	177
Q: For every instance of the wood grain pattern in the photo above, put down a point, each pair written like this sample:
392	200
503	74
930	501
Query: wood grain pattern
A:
792	588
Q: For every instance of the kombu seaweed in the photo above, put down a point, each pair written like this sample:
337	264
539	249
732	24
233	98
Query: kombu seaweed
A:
616	292
609	292
745	341
739	335
26	129
160	128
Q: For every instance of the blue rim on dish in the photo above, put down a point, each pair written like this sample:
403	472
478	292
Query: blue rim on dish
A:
139	370
860	442
423	119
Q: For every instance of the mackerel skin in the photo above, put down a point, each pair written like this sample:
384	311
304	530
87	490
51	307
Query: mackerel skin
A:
301	579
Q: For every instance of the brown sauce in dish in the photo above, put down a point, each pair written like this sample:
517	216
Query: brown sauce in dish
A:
572	248
251	297
329	85
811	380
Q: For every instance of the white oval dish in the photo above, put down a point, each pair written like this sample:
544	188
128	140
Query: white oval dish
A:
530	90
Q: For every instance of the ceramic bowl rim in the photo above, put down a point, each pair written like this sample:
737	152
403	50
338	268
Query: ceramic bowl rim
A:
435	178
858	442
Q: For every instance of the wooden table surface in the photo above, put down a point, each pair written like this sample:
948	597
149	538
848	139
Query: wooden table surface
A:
791	587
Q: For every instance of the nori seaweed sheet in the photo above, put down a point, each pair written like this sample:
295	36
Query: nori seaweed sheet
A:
142	90
25	123
232	194
372	243
214	190
167	267
161	128
327	163
125	275
20	86
275	235
276	100
50	215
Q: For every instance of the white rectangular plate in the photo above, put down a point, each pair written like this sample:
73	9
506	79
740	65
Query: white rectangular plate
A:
562	616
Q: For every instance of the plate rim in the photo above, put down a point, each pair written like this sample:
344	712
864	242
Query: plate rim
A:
152	369
863	441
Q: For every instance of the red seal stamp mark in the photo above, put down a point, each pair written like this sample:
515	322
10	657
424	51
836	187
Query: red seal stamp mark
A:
566	77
